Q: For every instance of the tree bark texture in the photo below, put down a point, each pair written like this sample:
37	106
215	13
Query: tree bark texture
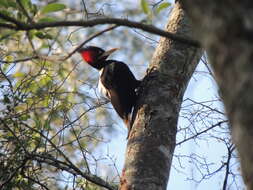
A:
225	29
152	139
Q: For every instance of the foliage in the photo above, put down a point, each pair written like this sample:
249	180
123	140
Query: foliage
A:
156	8
53	7
47	106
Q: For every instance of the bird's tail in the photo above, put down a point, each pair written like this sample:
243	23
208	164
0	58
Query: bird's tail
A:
129	119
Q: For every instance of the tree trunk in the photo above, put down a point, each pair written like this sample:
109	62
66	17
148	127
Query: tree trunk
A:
225	29
152	139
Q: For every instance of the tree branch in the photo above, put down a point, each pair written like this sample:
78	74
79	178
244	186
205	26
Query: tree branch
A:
231	148
12	20
69	168
9	26
66	166
89	23
19	60
201	132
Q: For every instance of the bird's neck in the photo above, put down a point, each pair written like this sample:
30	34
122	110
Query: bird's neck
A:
100	64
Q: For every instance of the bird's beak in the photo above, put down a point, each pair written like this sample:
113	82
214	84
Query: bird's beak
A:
109	52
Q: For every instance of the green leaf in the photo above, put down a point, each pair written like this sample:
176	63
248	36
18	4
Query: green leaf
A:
47	125
145	7
34	9
3	3
7	13
37	122
12	4
6	99
162	6
47	19
25	3
42	35
5	67
53	7
18	75
9	58
24	117
45	80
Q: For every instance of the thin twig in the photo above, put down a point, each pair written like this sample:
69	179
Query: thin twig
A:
19	60
85	10
69	168
89	39
201	132
36	181
11	19
231	148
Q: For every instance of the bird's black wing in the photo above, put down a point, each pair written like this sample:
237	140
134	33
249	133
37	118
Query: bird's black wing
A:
121	84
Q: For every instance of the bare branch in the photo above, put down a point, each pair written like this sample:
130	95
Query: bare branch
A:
230	148
12	20
69	168
20	60
119	22
9	26
201	132
36	181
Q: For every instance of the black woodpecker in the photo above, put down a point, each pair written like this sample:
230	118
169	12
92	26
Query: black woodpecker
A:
116	81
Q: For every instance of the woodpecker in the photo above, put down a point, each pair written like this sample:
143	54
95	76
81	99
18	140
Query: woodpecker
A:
116	81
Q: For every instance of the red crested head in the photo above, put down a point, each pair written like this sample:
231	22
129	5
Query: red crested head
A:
95	56
91	54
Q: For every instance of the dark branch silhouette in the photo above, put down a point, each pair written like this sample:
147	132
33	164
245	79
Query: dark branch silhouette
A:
89	23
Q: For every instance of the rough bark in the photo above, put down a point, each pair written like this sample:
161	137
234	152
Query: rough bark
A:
152	139
225	29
